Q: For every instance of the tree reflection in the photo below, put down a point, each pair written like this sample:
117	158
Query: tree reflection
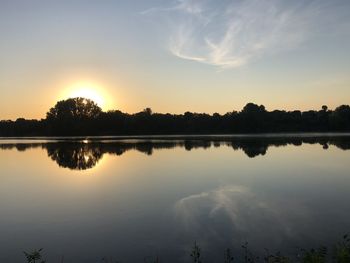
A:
252	148
76	156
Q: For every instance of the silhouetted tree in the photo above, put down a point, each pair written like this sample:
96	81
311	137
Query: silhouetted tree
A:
252	108
73	116
252	118
147	111
340	118
75	108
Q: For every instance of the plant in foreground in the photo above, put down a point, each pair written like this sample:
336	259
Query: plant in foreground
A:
276	258
314	255
196	253
342	250
341	254
34	256
228	256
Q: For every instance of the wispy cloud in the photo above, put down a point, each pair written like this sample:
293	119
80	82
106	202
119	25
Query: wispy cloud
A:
243	213
188	6
231	33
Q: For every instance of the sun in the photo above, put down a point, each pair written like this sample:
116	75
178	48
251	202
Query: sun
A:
87	91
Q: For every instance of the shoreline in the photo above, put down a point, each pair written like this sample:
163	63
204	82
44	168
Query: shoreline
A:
183	136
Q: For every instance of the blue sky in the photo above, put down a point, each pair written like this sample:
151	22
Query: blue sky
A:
174	56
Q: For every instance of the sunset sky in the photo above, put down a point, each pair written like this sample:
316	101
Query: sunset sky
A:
173	55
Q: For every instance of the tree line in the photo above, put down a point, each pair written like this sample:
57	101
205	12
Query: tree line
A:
80	116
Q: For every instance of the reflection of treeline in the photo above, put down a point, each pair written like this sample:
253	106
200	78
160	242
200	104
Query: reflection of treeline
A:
83	117
80	156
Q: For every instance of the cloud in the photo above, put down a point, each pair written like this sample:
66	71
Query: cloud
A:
189	209
192	7
232	33
237	203
236	211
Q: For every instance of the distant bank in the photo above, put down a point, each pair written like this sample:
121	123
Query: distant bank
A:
83	117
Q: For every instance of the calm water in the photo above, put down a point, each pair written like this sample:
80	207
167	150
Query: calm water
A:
133	199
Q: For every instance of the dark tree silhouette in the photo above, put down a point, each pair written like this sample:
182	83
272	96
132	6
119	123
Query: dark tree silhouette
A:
83	117
72	116
340	118
75	109
252	108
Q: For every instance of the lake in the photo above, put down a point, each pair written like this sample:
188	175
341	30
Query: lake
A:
132	199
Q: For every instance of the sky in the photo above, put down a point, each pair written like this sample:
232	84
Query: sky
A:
173	55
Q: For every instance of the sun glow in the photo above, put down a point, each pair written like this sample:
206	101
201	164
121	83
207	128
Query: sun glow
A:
88	91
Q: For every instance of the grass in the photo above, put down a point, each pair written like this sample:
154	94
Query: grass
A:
339	253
